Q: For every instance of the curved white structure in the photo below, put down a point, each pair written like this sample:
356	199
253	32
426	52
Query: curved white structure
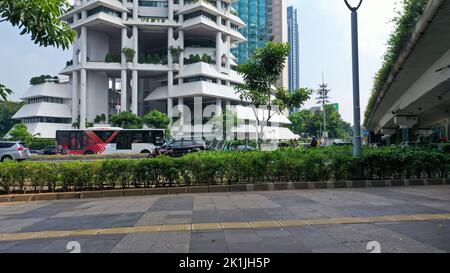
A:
48	109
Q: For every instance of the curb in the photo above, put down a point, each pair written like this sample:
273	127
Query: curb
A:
224	188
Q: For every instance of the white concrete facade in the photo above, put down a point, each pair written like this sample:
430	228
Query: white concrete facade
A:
182	53
48	109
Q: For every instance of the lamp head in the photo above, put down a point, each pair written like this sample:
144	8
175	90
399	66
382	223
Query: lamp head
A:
353	5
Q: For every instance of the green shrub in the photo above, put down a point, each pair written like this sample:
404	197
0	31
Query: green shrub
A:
227	167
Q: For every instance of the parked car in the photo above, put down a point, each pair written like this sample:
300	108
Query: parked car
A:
13	150
50	150
35	152
245	148
178	148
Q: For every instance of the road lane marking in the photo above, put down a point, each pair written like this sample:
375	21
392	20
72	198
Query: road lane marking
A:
20	236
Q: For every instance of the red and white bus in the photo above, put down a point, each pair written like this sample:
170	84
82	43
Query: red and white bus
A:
109	140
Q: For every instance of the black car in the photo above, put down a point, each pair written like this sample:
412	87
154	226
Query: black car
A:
179	148
50	150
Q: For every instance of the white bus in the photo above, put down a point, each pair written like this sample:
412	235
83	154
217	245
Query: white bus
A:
109	140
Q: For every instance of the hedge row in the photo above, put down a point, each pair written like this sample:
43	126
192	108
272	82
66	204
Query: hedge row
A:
296	165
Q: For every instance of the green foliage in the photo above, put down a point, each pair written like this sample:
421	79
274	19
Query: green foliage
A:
175	52
309	122
7	111
261	73
209	168
129	53
4	92
42	79
127	120
405	22
112	58
40	143
41	19
20	133
156	119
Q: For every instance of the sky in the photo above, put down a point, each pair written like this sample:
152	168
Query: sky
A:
325	47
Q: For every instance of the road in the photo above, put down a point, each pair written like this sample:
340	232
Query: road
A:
404	219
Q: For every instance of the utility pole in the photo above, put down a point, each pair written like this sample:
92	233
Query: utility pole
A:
357	147
323	99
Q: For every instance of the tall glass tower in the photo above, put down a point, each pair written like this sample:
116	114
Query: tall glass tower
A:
294	59
254	14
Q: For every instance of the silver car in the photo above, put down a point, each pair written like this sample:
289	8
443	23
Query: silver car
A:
13	150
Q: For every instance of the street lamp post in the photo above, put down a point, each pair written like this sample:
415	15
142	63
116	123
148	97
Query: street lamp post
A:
355	55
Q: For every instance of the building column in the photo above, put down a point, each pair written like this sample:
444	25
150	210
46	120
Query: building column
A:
170	10
219	51
169	95
135	44
83	99
135	10
134	92
181	111
227	62
181	42
83	38
169	45
74	96
181	16
218	106
123	91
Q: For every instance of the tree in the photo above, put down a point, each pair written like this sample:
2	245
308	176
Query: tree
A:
7	110
260	76
41	20
156	119
127	120
20	133
311	123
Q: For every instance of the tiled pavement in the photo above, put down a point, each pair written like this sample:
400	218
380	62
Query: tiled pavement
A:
333	221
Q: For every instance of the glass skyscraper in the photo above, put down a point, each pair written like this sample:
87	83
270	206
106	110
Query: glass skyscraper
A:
294	59
254	14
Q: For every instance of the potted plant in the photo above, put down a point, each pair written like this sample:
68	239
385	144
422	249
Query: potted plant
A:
129	53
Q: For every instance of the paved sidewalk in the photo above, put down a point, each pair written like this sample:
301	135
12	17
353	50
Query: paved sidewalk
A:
406	219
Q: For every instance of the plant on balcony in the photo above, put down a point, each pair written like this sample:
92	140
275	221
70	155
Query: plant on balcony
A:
112	58
175	52
69	63
129	53
207	59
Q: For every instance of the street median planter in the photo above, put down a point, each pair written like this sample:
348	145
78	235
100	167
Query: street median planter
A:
90	194
435	181
177	190
377	183
22	197
133	192
68	195
238	187
339	184
359	183
155	191
5	198
198	189
300	185
45	196
112	193
219	188
398	183
280	186
416	182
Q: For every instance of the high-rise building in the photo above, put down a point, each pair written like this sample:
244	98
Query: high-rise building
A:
266	21
254	14
294	58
